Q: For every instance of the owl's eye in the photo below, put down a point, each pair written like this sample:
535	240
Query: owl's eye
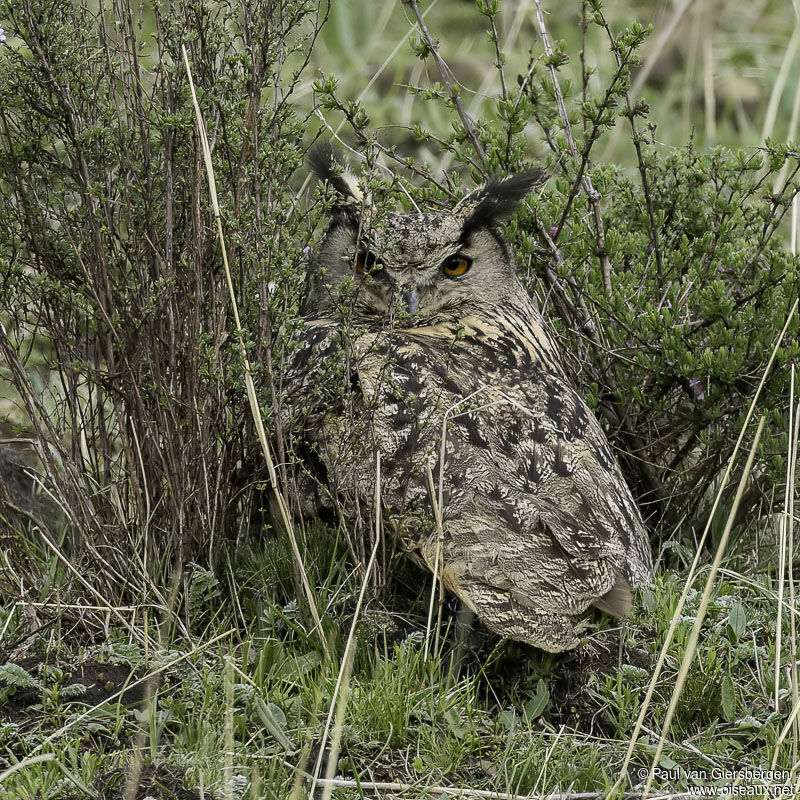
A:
456	266
365	262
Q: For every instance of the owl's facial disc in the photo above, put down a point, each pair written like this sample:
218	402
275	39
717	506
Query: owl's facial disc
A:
414	270
394	287
390	288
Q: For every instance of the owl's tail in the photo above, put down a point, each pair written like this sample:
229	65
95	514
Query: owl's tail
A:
618	600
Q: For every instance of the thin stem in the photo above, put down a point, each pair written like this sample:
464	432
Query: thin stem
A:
248	373
586	182
450	82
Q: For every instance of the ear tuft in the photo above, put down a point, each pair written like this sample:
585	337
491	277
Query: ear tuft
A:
498	200
328	168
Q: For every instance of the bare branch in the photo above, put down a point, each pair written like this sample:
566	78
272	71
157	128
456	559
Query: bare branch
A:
586	182
450	82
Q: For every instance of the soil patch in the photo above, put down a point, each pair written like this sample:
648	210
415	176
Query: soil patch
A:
101	681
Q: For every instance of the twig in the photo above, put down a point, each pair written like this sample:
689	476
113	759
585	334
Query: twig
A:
449	81
340	690
637	145
659	45
437	513
586	182
498	52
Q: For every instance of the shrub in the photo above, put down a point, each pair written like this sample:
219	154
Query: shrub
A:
111	267
665	280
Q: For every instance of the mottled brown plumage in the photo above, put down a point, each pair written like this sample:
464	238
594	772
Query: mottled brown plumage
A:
538	522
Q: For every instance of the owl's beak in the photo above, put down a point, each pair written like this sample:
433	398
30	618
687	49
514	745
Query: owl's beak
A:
412	300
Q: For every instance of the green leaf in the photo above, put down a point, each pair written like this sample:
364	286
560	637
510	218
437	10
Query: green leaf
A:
538	703
298	666
737	621
649	600
728	698
667	763
14	675
508	719
274	721
453	720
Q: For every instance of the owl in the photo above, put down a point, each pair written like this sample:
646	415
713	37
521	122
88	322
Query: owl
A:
492	466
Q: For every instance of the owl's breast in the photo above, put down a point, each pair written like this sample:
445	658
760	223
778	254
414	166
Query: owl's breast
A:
494	407
483	408
469	401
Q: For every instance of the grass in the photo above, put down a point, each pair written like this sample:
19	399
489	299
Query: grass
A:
236	708
512	720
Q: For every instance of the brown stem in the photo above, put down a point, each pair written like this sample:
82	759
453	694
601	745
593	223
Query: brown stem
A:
586	182
449	81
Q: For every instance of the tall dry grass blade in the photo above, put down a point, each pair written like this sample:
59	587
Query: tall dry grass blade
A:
437	513
146	627
542	777
694	636
437	500
782	544
793	440
709	99
696	47
660	44
27	762
227	770
148	705
248	377
344	670
788	725
338	725
255	783
789	516
673	625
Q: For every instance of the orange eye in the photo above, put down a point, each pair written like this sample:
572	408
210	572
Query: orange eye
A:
365	262
456	266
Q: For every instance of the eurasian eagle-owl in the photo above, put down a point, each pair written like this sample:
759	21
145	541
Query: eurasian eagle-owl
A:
443	342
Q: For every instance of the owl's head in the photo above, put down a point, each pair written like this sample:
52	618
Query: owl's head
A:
419	268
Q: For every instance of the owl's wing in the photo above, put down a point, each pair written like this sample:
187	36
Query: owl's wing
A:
549	518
